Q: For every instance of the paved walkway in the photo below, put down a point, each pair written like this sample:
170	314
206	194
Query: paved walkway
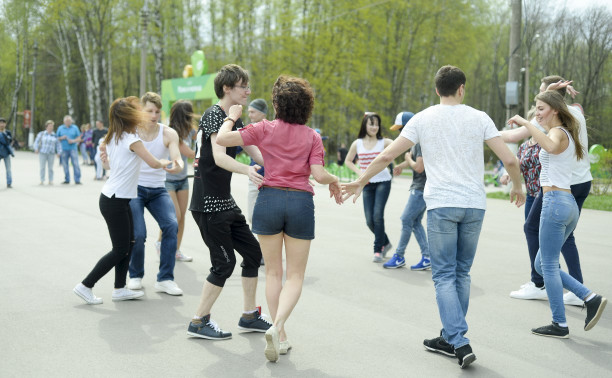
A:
354	319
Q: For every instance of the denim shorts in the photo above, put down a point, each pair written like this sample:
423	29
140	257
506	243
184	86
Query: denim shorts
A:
281	210
178	185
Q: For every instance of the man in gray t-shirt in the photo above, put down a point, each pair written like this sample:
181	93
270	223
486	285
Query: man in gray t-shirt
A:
452	136
415	208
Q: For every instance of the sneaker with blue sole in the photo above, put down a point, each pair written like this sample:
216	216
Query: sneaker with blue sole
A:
396	261
424	264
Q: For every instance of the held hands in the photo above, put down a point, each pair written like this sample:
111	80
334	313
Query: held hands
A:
335	190
504	179
164	163
255	177
351	189
397	170
235	111
177	166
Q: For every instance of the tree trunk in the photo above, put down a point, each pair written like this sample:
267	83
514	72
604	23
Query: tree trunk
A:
64	47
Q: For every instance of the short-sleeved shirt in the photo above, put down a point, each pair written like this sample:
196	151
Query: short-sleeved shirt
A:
451	138
288	151
212	184
418	179
72	132
529	158
125	168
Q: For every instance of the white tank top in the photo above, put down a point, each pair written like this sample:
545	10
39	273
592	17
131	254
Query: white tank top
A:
151	177
557	169
366	157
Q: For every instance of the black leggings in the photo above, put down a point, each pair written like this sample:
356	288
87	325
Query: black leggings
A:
118	217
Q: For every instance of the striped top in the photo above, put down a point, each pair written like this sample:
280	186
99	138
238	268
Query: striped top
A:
366	157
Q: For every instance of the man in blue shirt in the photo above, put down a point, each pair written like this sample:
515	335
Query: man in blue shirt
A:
6	151
70	136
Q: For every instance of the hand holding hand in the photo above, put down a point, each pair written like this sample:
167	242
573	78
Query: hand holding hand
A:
177	167
235	111
165	163
335	190
351	189
504	179
255	177
397	170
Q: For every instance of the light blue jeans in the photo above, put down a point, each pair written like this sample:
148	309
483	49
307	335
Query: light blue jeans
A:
160	205
453	237
66	157
7	165
558	219
46	161
411	222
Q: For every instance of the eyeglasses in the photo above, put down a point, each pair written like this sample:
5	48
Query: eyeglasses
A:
245	87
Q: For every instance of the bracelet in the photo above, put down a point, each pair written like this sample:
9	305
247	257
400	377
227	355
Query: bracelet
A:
229	119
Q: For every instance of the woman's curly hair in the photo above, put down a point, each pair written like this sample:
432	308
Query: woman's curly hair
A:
293	99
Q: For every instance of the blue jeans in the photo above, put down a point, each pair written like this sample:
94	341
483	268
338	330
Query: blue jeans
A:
528	204
375	197
411	222
453	237
569	249
7	165
65	158
159	204
558	220
46	162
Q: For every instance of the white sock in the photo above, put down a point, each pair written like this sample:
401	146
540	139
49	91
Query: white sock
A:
591	296
564	324
250	312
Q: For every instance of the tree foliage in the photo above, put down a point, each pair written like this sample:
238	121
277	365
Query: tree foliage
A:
359	55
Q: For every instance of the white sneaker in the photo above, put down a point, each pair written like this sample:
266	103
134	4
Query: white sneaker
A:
530	291
86	294
158	247
571	299
125	294
284	347
168	287
181	257
135	283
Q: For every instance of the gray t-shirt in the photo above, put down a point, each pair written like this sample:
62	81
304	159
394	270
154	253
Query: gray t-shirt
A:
418	179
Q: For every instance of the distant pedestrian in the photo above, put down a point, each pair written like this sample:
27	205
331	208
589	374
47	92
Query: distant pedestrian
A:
368	145
6	151
70	136
85	145
342	152
46	145
96	137
124	154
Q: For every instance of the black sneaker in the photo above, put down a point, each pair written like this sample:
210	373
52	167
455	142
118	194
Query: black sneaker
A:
254	322
207	329
594	308
552	330
439	345
465	355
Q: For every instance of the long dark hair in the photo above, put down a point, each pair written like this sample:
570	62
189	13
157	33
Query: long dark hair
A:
124	115
181	118
364	125
555	101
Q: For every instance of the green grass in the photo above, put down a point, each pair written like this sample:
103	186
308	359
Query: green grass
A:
593	202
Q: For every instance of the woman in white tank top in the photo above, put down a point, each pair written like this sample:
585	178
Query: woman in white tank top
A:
560	149
369	144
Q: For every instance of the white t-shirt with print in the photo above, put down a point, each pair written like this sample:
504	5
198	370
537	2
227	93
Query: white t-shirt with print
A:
451	138
125	168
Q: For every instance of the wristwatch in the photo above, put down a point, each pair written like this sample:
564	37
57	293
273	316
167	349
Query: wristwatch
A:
229	119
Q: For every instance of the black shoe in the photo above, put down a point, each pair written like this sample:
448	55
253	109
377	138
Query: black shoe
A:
465	355
78	183
254	322
66	182
439	345
594	308
207	329
552	330
9	186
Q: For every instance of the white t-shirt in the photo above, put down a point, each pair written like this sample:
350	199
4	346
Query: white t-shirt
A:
451	138
125	167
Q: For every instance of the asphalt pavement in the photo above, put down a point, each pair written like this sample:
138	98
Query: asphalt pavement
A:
354	319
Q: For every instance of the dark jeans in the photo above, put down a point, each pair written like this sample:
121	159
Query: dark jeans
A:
223	232
569	249
118	217
375	197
